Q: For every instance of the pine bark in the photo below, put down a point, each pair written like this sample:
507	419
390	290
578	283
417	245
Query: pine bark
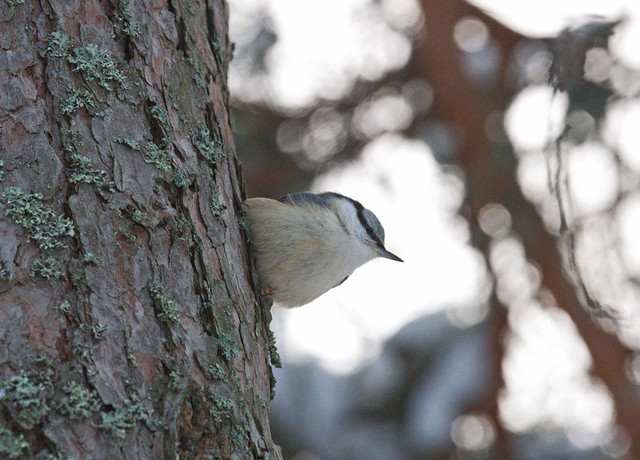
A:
129	327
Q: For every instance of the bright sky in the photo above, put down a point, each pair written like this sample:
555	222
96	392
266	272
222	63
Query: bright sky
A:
323	47
546	18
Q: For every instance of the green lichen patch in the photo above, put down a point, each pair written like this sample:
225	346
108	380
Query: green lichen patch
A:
89	259
59	44
227	347
222	407
159	114
217	372
64	306
82	171
43	226
211	150
98	330
121	418
27	392
45	360
175	381
133	145
208	305
130	27
11	445
180	229
152	153
240	438
98	65
76	99
156	156
95	63
47	267
181	180
79	348
197	76
201	82
1	170
273	351
217	207
141	218
4	274
81	168
242	222
126	233
79	402
42	223
166	308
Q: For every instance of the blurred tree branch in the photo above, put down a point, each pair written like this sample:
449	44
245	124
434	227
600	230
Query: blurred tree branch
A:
490	174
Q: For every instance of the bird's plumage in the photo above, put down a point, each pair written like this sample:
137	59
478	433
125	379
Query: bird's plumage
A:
307	243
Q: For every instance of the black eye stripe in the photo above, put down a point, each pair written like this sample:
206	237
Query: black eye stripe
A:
363	220
320	199
367	227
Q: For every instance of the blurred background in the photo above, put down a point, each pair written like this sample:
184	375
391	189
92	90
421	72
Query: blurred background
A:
498	142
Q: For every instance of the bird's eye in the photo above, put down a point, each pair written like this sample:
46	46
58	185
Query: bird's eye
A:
371	234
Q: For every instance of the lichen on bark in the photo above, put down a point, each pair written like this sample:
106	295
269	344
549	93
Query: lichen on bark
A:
155	344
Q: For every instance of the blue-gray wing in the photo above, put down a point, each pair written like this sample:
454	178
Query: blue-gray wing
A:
319	199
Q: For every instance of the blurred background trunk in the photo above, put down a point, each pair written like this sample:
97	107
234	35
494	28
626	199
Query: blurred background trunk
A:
446	79
128	323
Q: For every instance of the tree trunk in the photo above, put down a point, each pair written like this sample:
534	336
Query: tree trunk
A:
129	327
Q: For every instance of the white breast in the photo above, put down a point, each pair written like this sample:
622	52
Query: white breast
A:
302	253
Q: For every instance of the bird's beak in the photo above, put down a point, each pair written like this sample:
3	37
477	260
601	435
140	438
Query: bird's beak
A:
388	255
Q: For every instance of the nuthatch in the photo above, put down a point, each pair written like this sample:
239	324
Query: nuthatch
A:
307	243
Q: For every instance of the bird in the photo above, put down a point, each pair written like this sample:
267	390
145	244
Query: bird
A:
305	243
